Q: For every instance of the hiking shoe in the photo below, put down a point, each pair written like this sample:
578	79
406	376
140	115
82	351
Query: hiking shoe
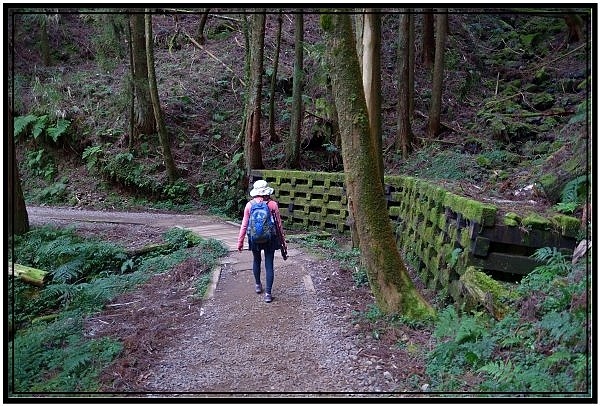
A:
268	298
258	288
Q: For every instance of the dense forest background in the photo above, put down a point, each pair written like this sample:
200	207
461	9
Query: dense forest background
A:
514	121
515	131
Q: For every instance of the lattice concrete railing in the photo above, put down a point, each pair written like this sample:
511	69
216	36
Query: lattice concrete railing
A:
441	232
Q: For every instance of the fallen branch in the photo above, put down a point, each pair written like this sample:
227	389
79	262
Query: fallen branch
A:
121	304
28	274
148	249
199	46
446	125
541	114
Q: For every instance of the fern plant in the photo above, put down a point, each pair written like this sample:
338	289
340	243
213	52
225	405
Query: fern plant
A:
573	195
67	256
539	346
51	354
55	357
41	125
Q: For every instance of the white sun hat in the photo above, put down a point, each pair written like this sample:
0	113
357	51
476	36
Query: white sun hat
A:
261	188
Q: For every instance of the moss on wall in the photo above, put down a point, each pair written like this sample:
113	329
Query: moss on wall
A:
512	219
536	221
429	221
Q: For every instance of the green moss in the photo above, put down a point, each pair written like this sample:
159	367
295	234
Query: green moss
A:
483	287
536	221
568	226
548	180
327	22
484	214
465	240
574	164
512	219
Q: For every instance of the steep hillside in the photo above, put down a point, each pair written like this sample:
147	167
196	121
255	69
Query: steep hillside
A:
514	109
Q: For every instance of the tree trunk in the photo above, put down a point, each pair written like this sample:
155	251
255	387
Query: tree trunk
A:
428	45
131	89
438	75
293	150
144	114
252	148
388	278
371	75
411	67
44	41
158	115
241	139
18	219
404	138
200	33
274	136
359	30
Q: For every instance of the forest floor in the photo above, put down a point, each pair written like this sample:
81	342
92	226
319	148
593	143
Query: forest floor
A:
315	338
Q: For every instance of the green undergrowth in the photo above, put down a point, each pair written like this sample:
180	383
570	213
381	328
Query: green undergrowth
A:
540	345
324	245
49	350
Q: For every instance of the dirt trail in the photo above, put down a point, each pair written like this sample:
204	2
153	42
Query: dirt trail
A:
310	341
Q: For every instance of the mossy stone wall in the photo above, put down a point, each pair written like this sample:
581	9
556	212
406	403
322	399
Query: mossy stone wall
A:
442	233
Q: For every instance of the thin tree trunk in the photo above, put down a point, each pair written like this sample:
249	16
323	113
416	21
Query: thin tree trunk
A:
438	75
131	88
241	139
404	138
390	283
145	122
371	73
162	129
274	136
428	45
44	40
411	67
359	30
18	219
293	150
200	33
252	148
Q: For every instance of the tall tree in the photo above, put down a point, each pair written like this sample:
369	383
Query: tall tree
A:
293	150
274	135
404	137
390	283
44	40
145	122
18	219
411	65
131	88
252	147
427	44
371	77
158	115
200	32
435	109
359	31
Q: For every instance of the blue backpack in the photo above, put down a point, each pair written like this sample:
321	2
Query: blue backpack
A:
261	227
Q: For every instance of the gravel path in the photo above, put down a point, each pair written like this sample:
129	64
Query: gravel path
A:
310	341
297	343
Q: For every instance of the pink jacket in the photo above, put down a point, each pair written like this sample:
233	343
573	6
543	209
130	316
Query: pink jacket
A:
244	227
